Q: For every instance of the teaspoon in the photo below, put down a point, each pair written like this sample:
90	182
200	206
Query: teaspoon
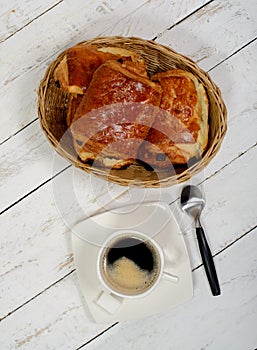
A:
192	202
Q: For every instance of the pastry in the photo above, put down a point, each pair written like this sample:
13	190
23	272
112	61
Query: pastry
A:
79	63
180	130
114	115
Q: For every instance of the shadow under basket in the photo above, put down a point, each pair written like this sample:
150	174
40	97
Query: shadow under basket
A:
52	106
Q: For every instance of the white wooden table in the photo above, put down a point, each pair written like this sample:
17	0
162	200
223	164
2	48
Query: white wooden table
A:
40	303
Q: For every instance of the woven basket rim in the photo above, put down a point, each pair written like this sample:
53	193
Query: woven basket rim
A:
166	50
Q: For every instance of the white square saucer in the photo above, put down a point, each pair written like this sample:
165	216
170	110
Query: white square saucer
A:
158	222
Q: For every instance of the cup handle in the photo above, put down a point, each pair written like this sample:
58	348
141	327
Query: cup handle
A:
109	302
170	277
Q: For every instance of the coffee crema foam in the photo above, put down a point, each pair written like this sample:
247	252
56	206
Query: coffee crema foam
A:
128	275
130	265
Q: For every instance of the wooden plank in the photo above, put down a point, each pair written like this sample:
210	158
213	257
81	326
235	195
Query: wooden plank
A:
221	217
43	246
35	238
239	95
227	153
53	32
46	328
18	103
15	14
23	88
33	326
28	151
39	199
66	308
26	162
158	17
205	322
209	36
54	36
18	99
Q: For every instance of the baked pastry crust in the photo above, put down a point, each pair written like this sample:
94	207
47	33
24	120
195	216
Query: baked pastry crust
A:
180	131
114	116
111	115
76	69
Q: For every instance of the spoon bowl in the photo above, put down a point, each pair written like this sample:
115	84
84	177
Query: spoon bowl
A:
192	202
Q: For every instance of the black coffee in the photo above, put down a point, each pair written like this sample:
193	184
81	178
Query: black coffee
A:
133	249
130	265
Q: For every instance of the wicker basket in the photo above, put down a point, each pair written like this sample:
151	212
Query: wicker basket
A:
52	106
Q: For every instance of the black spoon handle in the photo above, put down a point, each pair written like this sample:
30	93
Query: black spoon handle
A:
208	261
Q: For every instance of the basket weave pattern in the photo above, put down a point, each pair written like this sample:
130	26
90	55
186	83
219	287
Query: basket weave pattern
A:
52	106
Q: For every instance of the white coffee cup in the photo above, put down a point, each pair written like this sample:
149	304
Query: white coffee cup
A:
130	265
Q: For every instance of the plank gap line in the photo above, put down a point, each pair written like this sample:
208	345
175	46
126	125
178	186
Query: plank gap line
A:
35	189
98	335
34	19
194	269
233	53
183	19
18	131
35	296
73	270
229	245
70	165
215	66
224	166
42	184
217	171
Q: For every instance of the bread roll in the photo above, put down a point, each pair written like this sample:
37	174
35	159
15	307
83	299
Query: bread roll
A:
114	116
180	130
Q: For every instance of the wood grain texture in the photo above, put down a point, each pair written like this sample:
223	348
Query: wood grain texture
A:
213	31
37	284
239	90
158	16
22	89
41	324
16	172
21	70
227	194
205	322
29	152
35	242
221	232
15	14
55	31
26	74
25	163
